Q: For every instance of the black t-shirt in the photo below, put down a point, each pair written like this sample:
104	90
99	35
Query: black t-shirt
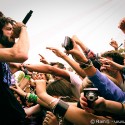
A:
11	110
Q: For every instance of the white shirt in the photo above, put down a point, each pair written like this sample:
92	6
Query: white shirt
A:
76	83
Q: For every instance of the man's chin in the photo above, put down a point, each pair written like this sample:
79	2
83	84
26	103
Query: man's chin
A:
7	42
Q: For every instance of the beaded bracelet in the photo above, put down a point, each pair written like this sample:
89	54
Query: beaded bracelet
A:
54	100
87	51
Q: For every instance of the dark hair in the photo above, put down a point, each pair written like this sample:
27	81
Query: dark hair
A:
116	56
4	21
1	14
60	65
61	88
122	24
4	39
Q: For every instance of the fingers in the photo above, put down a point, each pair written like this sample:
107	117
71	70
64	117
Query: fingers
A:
83	101
50	119
41	56
12	87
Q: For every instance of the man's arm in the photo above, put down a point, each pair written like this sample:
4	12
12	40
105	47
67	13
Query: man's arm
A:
45	68
70	61
19	52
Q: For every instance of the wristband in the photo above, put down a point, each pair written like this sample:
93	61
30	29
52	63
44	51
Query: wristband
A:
32	98
60	108
27	77
86	65
87	51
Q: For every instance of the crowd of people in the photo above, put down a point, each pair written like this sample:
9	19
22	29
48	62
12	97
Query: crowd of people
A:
48	93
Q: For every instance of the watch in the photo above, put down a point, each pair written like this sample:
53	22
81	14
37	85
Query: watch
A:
86	65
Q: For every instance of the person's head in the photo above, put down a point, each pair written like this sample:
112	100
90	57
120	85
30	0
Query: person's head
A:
114	56
1	14
6	31
122	24
58	65
60	88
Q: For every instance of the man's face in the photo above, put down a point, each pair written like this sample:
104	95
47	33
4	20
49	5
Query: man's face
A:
7	32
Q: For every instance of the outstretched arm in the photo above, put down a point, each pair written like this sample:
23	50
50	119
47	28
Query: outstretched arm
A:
71	62
69	111
45	68
102	104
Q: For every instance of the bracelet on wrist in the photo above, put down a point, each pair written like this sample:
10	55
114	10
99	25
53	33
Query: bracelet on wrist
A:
54	100
60	108
27	77
86	65
87	51
32	98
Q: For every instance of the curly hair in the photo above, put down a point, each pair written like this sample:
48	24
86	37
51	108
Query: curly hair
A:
122	24
116	56
4	39
4	21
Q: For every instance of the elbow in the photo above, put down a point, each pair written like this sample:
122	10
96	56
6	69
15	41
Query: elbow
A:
21	57
24	58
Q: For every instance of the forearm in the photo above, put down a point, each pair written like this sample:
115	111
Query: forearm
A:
32	110
79	42
44	68
115	107
33	98
75	66
83	47
24	82
82	118
107	88
23	42
21	47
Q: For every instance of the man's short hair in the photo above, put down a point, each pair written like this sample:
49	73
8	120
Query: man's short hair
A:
60	65
116	56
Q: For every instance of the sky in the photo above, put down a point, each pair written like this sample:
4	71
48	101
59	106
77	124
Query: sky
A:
94	22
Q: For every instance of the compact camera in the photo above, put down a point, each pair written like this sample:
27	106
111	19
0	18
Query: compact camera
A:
91	95
68	44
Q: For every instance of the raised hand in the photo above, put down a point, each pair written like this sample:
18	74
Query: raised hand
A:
56	51
42	59
76	53
17	29
114	44
18	90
